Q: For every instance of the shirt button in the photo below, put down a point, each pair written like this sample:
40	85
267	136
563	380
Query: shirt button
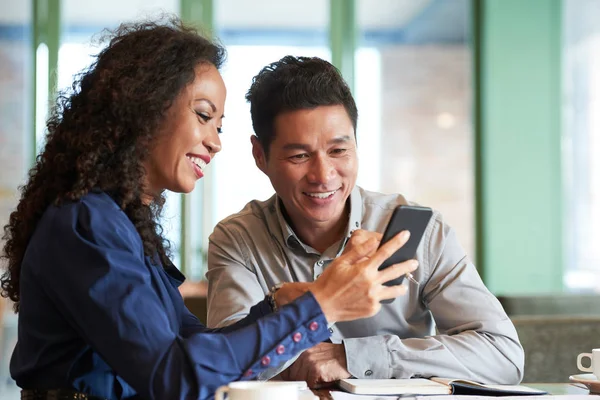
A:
313	326
368	372
320	263
266	360
280	349
297	337
330	330
248	373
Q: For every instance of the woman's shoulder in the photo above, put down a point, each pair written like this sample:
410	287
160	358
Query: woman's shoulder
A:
94	216
94	204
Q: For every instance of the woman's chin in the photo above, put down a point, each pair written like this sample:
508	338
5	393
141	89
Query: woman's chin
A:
188	187
182	187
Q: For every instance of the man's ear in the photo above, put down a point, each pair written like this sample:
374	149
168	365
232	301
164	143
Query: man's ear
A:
258	152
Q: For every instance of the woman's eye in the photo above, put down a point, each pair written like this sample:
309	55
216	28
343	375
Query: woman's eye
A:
205	117
219	129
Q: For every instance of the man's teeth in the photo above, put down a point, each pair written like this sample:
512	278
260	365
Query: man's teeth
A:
198	161
321	195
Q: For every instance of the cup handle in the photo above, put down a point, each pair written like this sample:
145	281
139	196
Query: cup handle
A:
581	367
220	393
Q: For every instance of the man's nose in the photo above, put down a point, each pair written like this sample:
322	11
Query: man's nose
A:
321	170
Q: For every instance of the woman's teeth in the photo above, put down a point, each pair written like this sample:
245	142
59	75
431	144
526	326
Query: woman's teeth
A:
321	195
198	161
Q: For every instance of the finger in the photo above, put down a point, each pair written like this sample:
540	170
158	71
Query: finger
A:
362	235
313	377
294	370
388	248
396	271
302	368
285	375
391	292
360	251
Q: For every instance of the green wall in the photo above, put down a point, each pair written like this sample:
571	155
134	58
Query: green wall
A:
518	127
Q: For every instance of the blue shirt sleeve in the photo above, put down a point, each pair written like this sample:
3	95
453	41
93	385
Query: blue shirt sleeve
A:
103	284
191	324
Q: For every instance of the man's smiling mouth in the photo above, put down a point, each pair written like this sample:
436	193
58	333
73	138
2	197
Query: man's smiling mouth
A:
321	195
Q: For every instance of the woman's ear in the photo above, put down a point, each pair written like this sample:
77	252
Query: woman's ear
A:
259	154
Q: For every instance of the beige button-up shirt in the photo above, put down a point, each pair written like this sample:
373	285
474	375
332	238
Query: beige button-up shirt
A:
449	325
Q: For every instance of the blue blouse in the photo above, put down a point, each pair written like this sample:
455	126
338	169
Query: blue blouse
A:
99	317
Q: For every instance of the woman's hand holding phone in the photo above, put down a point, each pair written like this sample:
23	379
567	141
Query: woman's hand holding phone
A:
352	286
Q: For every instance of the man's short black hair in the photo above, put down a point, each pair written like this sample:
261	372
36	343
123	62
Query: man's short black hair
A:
295	83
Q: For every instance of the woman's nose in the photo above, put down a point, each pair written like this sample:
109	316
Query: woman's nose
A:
213	143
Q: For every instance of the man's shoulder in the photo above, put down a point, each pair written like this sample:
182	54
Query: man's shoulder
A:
384	201
378	207
253	215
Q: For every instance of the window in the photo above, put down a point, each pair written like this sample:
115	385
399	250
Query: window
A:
82	24
581	144
15	144
254	38
413	92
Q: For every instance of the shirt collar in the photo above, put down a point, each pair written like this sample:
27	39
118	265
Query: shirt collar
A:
354	220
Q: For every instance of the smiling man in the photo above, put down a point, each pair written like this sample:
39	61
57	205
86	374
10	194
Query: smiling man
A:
448	325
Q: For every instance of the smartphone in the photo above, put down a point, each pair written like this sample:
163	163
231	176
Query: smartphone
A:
413	219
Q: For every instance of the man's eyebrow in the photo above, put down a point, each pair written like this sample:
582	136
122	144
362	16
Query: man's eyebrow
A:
340	139
305	147
296	146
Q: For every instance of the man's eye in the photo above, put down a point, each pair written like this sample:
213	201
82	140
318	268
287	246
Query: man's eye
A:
299	157
339	151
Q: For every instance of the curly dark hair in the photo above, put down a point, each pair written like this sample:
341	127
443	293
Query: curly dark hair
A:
101	130
295	83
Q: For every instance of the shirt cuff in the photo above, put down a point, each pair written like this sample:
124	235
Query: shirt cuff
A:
309	327
260	309
273	372
367	357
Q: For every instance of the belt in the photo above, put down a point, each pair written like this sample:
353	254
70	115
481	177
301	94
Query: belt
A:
55	394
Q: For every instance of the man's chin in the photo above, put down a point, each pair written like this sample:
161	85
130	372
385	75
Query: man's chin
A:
323	217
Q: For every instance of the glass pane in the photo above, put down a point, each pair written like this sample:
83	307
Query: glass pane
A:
81	25
255	33
255	38
413	92
581	144
16	145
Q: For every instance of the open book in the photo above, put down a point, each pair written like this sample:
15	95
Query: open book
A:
440	386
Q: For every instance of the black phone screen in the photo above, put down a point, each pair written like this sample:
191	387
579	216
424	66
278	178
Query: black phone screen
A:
413	219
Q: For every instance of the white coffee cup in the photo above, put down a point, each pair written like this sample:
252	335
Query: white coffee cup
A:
594	367
258	390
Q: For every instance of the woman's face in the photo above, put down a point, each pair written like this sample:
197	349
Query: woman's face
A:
189	136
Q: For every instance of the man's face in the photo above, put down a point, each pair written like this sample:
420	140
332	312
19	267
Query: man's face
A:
312	164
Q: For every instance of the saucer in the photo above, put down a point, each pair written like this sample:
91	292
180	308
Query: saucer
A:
589	380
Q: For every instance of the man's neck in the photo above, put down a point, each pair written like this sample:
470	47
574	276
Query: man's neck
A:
320	236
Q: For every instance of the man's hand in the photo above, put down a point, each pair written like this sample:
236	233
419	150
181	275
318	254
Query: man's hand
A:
323	363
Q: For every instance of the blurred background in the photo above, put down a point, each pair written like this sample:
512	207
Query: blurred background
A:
482	109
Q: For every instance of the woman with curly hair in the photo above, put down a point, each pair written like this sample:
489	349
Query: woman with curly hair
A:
100	316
